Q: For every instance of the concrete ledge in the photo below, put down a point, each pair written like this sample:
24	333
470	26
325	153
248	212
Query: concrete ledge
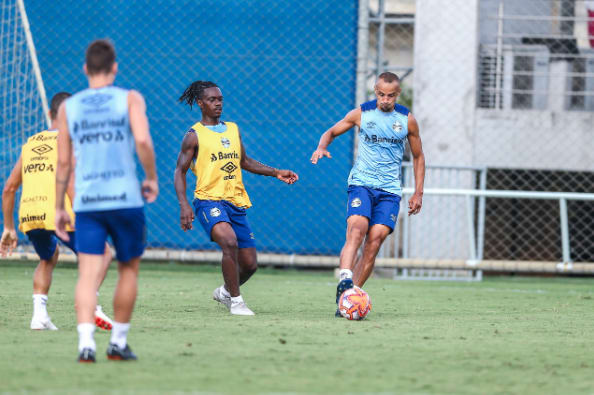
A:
326	261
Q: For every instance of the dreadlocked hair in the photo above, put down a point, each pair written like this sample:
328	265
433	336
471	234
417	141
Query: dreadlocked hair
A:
194	92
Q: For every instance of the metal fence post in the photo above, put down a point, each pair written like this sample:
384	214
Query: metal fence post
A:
564	230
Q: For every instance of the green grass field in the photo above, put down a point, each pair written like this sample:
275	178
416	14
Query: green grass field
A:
504	335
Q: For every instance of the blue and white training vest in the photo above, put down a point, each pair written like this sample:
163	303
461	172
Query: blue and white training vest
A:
104	149
382	139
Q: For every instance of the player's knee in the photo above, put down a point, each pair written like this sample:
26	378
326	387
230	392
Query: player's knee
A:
46	263
229	245
355	235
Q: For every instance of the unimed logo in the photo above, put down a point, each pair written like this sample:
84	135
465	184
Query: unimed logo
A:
30	218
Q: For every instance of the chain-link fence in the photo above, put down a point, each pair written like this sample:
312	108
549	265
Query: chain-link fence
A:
286	70
21	111
503	91
506	86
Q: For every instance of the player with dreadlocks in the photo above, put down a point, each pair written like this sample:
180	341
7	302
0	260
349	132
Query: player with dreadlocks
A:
216	154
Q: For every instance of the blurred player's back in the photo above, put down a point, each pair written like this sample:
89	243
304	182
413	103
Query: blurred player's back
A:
100	129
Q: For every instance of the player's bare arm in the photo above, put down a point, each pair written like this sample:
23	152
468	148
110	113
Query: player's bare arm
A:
9	235
188	152
253	166
353	118
63	173
144	144
70	187
416	148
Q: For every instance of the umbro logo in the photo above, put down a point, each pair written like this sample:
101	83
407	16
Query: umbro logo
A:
96	100
41	149
229	167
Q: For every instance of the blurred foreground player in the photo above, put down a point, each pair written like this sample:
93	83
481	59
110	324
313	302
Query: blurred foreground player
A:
104	125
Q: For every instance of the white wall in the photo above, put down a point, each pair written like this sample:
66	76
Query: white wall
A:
558	140
445	57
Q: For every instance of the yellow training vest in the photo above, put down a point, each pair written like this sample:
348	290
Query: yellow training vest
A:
39	156
218	166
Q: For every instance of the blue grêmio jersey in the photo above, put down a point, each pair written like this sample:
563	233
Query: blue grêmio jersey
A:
382	139
104	148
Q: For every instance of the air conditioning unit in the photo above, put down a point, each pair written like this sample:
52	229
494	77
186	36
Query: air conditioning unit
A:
525	77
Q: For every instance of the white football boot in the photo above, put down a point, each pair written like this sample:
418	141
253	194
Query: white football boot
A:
240	308
217	295
43	324
102	320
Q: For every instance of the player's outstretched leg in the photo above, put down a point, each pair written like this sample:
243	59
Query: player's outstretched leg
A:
364	266
356	230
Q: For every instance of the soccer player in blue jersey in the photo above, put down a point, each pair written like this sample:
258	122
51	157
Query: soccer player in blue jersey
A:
375	182
104	125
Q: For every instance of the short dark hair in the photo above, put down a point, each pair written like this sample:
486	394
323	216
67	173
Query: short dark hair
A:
100	57
195	91
388	77
55	103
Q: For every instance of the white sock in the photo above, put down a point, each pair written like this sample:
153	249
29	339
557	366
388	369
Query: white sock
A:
236	299
345	273
224	292
85	336
39	306
119	333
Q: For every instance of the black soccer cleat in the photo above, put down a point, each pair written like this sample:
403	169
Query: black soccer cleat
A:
337	314
342	286
115	353
86	356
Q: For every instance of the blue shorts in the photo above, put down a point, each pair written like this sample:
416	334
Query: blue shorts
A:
211	212
380	207
126	227
45	242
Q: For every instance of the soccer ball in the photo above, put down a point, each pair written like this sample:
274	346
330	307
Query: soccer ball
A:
354	304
